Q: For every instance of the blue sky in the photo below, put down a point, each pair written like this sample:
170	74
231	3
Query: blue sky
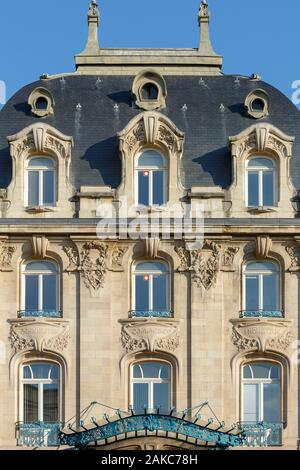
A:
254	36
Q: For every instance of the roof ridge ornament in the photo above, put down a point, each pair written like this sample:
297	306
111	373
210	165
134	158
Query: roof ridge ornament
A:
93	22
205	47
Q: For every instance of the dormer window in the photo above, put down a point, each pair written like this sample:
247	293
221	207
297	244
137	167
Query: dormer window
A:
40	182
151	178
149	92
261	182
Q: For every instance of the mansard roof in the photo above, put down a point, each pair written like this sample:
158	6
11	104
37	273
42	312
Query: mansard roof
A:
94	109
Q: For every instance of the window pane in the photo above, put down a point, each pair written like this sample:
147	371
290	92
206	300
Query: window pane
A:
151	369
247	372
50	404
141	293
270	294
165	372
274	372
40	266
48	188
151	266
259	266
160	293
252	292
261	371
49	292
268	188
272	402
41	163
140	397
161	397
251	402
31	293
253	194
261	163
143	189
150	158
33	188
27	373
137	373
158	187
41	371
30	403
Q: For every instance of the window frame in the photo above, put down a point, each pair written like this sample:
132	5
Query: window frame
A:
164	170
260	170
260	274
151	381
167	274
41	383
41	170
40	283
260	382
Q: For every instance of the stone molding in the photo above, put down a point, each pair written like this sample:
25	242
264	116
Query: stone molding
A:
6	253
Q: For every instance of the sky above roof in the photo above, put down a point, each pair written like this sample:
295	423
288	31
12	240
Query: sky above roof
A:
253	36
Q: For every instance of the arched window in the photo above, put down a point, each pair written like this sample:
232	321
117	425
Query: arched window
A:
40	289
151	386
261	178
261	289
41	393
151	289
261	403
151	179
40	182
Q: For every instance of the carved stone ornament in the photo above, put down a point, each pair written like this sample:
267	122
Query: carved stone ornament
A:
262	137
263	246
39	335
228	257
294	254
6	254
184	255
149	335
203	10
205	264
149	128
40	138
92	262
151	247
39	246
261	334
117	253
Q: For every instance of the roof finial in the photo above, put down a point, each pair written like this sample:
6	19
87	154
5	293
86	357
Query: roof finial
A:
93	22
205	47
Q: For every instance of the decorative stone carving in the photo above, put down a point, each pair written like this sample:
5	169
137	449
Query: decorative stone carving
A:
150	335
148	128
261	334
151	247
93	9
72	253
39	246
204	271
37	95
228	257
203	10
117	253
263	246
93	268
185	258
39	335
294	254
6	254
149	77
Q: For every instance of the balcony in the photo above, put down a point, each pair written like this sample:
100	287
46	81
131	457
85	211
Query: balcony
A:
39	314
261	314
39	434
150	314
262	434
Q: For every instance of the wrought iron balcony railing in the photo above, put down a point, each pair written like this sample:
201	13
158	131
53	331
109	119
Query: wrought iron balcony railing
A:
39	434
39	313
262	434
150	314
261	313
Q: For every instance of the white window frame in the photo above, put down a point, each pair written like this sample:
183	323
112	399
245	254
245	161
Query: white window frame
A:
151	381
261	273
40	383
39	273
138	168
41	171
151	273
261	383
260	170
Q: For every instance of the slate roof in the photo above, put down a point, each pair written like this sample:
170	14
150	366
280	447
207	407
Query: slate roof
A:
95	158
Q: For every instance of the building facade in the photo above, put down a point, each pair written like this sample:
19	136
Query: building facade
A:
97	323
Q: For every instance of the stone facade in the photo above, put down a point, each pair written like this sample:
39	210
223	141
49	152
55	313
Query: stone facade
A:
95	342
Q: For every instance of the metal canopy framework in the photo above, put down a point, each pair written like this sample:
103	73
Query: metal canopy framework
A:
152	424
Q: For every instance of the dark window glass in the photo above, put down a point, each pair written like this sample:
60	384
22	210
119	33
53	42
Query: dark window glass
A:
33	188
158	187
270	292
31	292
272	403
142	293
48	188
253	192
140	397
252	292
143	197
50	403
258	105
31	402
161	396
49	293
149	92
268	188
41	104
159	293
